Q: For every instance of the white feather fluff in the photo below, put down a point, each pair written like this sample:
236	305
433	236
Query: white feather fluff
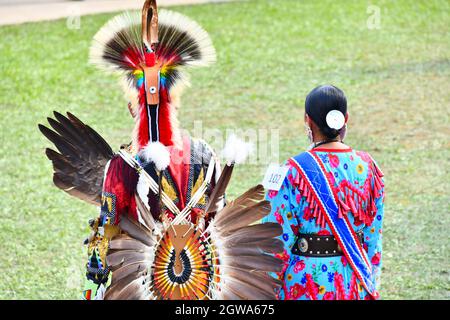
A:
142	189
236	150
176	20
157	153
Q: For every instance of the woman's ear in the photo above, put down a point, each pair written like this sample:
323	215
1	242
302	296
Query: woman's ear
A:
346	117
308	120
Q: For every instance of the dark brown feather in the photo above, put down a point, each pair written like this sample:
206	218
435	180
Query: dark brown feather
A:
95	140
136	269
247	199
242	216
137	231
263	246
145	214
227	294
127	243
218	194
257	279
125	257
131	291
253	233
127	288
83	154
264	262
248	291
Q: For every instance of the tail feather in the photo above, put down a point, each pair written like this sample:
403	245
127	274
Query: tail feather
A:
135	269
128	288
248	291
137	231
127	243
146	214
253	233
244	216
263	262
218	195
126	257
263	246
247	199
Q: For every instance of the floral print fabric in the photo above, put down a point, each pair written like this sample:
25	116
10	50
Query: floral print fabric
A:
358	183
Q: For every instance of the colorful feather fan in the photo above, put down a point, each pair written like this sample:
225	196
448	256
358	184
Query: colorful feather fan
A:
229	260
119	47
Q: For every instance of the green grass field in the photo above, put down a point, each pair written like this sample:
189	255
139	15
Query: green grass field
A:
270	54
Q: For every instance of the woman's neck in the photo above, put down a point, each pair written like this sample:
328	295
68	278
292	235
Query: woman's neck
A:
333	145
329	143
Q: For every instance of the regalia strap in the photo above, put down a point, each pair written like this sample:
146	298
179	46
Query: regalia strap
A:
130	160
313	171
198	194
180	216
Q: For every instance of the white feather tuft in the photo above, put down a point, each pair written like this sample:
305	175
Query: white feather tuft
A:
236	150
178	21
157	153
142	189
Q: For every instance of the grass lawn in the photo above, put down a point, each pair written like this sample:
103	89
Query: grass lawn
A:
270	54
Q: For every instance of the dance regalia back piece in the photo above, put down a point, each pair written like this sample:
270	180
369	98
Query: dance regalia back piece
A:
164	231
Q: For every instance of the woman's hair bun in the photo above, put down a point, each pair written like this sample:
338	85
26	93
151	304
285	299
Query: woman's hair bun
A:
326	105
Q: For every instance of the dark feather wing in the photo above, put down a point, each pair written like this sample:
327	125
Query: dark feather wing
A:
83	154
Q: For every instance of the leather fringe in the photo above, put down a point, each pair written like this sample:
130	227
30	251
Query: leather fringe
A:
360	203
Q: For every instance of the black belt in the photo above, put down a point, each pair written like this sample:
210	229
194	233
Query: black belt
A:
313	245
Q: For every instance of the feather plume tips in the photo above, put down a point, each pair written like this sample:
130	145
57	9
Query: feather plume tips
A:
236	150
157	153
118	46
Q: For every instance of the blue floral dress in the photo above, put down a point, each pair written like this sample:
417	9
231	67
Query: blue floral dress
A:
359	185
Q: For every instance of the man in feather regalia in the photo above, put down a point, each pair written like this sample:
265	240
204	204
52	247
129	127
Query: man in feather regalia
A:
164	230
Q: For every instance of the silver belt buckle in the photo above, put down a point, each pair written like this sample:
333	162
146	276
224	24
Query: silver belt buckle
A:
303	245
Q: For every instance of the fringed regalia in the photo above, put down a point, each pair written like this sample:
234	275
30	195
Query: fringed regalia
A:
164	231
331	208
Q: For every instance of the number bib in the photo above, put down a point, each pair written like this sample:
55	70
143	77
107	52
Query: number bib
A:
274	177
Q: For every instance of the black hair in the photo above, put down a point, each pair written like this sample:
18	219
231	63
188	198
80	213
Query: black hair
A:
322	100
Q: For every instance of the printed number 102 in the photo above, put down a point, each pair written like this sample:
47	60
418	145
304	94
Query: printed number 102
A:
275	178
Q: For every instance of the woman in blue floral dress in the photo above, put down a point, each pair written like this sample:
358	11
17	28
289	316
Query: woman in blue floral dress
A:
358	187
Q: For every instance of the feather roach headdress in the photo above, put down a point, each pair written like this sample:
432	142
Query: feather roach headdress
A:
151	52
